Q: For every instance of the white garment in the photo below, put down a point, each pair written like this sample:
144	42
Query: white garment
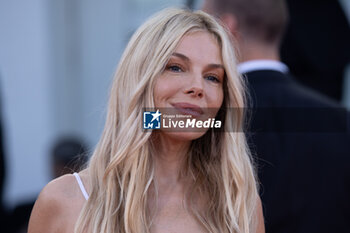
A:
254	65
81	186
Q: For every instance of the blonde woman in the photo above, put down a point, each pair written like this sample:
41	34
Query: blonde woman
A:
163	181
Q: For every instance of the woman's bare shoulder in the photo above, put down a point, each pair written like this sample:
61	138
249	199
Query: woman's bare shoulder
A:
58	200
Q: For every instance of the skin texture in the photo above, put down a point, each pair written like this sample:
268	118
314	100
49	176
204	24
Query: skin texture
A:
58	205
189	77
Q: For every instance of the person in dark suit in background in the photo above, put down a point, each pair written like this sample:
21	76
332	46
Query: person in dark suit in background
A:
298	135
317	45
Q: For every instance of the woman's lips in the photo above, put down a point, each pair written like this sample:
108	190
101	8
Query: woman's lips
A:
188	109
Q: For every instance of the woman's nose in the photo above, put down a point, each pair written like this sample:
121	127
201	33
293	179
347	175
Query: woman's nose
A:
195	87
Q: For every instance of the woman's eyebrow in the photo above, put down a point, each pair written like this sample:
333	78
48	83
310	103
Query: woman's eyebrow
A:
216	66
184	57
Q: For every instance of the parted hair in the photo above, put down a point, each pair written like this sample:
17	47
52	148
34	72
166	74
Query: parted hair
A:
121	169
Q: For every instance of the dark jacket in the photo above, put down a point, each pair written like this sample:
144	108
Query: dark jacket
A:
300	139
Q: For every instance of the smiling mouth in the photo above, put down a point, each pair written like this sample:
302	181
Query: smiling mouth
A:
188	109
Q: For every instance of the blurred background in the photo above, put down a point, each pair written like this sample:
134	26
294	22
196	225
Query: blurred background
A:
57	59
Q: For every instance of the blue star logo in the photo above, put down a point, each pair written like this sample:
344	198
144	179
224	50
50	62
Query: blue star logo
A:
151	120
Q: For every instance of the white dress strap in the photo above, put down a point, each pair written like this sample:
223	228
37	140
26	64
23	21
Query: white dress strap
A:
81	185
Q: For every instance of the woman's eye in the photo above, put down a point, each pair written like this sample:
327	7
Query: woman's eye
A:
175	68
213	78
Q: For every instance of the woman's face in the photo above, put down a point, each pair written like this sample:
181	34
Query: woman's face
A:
192	81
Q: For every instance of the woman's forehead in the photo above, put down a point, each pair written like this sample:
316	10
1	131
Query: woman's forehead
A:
200	45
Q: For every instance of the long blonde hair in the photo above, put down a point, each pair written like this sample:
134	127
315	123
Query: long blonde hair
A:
121	169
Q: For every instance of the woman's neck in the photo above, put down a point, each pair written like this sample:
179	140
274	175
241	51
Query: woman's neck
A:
169	159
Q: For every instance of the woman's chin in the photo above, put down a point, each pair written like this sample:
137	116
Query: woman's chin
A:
183	135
